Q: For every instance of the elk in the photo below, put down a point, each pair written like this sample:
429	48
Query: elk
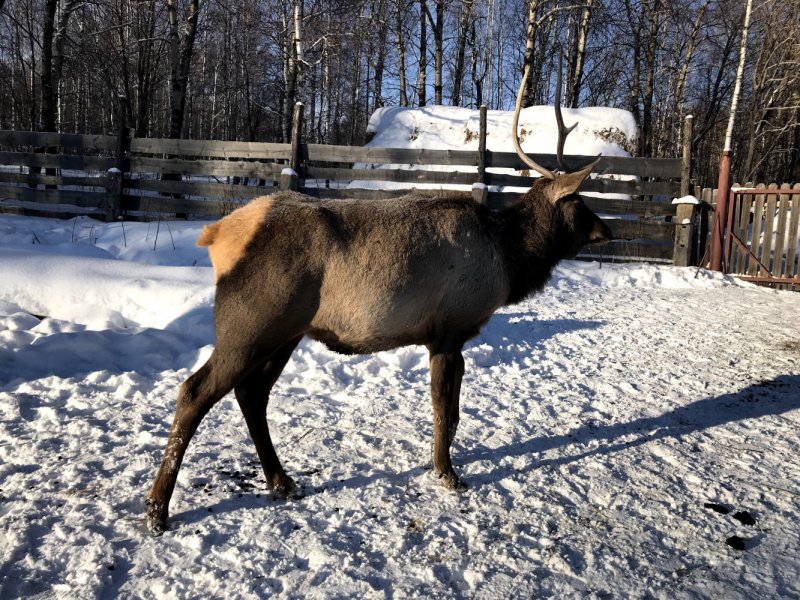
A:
363	276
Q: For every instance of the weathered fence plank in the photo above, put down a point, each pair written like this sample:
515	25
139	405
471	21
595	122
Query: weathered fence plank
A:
195	188
395	156
211	149
791	249
616	165
395	175
741	227
769	222
601	185
37	179
204	167
755	241
629	252
634	229
780	234
178	205
613	186
58	161
73	198
63	140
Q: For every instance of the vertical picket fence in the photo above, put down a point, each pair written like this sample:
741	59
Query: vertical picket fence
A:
768	225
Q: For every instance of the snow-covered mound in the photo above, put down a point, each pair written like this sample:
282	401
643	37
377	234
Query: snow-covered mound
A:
609	131
606	425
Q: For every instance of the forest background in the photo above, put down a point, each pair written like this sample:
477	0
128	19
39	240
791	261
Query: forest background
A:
233	69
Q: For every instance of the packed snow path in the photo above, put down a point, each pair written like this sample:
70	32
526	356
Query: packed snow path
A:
597	421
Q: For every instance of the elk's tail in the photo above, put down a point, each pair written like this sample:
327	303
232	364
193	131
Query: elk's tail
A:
208	236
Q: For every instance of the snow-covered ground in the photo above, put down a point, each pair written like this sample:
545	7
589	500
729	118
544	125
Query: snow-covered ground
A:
598	420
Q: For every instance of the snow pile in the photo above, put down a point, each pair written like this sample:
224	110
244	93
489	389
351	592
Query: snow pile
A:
609	131
619	432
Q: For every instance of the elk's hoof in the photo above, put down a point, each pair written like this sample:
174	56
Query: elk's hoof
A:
287	489
156	517
453	483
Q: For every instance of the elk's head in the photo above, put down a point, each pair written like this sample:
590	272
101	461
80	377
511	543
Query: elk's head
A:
575	224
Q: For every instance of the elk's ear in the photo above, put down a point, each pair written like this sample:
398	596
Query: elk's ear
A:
568	183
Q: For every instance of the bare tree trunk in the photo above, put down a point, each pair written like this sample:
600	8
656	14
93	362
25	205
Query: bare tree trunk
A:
379	63
467	7
580	52
633	102
530	42
476	81
401	53
180	61
438	38
144	68
423	52
684	70
650	55
739	71
536	92
289	77
48	94
300	65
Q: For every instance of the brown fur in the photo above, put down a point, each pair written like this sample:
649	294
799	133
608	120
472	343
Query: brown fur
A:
227	239
363	276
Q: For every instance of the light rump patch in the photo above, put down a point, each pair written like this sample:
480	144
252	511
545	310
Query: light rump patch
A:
227	239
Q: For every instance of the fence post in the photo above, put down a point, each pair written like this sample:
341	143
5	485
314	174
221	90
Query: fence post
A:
686	162
479	191
113	186
114	176
684	234
290	178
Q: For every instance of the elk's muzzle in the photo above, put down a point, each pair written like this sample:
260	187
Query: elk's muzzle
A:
600	234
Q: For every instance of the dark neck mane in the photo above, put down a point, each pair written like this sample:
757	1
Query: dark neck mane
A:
530	241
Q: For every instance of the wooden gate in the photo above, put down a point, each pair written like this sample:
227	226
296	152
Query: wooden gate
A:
762	235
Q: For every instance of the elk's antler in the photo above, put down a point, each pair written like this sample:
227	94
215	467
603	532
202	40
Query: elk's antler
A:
563	131
526	159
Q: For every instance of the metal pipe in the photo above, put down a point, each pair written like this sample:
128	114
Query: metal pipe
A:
723	191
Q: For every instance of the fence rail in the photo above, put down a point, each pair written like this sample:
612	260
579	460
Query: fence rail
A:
107	175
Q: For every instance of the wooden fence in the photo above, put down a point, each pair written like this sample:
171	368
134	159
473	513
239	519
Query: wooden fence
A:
770	227
109	176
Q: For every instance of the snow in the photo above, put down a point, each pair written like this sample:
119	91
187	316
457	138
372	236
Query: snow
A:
600	130
597	421
290	172
686	200
606	131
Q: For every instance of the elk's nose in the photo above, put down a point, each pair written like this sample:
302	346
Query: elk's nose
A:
600	234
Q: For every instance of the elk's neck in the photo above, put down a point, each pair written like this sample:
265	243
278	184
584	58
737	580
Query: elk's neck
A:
532	244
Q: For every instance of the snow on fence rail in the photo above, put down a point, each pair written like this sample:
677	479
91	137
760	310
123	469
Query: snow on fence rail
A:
121	175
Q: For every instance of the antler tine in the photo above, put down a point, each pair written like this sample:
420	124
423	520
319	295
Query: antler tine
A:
517	147
563	132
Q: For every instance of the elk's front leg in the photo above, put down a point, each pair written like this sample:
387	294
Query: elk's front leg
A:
447	369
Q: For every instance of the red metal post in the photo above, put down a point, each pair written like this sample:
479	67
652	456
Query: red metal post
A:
723	191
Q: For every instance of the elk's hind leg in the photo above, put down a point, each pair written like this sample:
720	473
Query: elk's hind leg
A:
196	397
447	369
253	396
